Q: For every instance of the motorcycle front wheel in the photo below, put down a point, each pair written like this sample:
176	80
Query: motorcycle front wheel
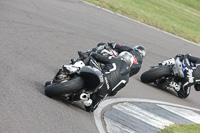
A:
58	89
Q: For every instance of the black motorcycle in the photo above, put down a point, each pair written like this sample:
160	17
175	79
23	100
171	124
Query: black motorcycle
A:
79	85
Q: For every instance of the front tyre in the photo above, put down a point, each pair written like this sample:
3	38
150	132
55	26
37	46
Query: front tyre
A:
59	89
155	73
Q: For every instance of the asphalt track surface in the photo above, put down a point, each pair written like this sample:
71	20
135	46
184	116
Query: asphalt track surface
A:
38	36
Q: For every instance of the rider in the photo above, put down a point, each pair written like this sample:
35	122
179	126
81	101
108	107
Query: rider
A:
138	52
191	73
115	69
116	72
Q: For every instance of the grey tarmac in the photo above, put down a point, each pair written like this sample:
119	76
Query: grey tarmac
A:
38	36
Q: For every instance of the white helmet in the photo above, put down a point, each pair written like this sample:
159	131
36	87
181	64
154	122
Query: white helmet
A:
128	57
141	50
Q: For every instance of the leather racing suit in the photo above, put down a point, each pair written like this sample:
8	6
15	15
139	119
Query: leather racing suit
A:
116	76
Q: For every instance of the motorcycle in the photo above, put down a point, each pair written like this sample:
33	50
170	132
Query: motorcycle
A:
78	86
168	74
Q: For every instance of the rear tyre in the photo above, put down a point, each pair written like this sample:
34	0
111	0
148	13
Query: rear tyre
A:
155	73
59	89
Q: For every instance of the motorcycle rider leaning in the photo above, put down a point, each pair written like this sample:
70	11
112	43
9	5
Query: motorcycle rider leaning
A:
191	72
138	52
116	70
115	73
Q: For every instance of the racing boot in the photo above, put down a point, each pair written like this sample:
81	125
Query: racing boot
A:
73	68
89	108
87	102
82	55
86	99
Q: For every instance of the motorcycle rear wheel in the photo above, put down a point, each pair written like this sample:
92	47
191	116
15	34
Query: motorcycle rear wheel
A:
58	89
155	73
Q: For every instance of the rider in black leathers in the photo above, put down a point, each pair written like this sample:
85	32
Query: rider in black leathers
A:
116	75
116	70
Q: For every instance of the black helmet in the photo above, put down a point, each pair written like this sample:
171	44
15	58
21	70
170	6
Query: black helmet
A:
141	50
128	57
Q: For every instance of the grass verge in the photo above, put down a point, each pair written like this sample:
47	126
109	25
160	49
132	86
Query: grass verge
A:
179	17
182	128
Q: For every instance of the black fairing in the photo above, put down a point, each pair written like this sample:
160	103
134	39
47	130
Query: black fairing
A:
92	77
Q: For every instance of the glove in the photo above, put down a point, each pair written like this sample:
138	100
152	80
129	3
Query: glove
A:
101	43
100	46
92	53
181	56
112	44
94	49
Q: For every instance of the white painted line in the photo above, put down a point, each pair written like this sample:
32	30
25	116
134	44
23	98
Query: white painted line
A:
103	104
188	114
143	115
141	23
114	127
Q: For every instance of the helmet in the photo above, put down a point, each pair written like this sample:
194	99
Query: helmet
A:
141	50
128	57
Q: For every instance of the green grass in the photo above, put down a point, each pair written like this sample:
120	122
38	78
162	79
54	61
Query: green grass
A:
179	17
182	128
